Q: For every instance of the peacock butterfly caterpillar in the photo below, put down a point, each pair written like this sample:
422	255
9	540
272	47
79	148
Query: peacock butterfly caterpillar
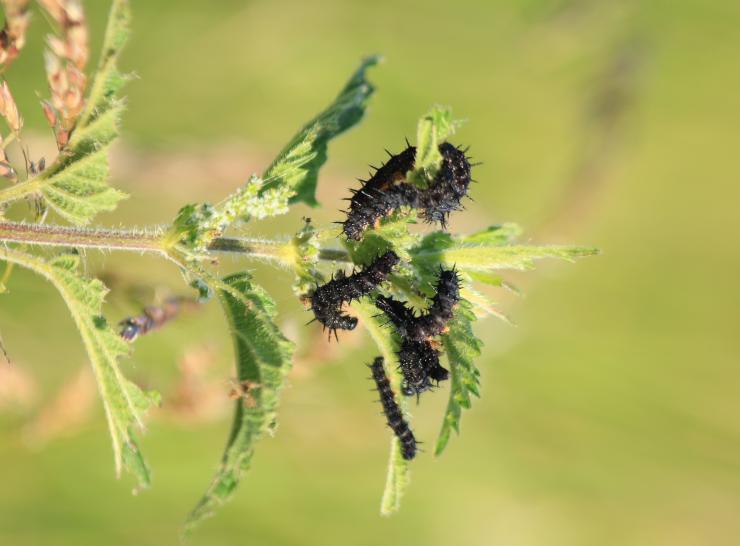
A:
327	299
387	190
418	355
392	410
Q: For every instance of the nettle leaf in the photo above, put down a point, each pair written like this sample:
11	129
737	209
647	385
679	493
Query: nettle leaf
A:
462	348
392	234
124	402
291	178
488	250
263	358
297	166
76	185
434	128
397	478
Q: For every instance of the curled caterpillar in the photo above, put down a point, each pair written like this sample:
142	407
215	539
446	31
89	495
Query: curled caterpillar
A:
379	195
387	190
392	411
419	364
418	355
327	299
450	185
153	317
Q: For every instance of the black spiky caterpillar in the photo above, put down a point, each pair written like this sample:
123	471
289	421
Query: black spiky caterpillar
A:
380	194
387	190
327	299
418	355
392	410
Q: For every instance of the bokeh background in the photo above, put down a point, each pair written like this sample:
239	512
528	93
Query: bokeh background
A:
609	414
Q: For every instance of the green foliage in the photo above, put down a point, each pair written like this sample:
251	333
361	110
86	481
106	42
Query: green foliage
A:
397	478
392	234
263	357
124	402
195	226
291	178
434	128
76	185
488	250
462	347
297	165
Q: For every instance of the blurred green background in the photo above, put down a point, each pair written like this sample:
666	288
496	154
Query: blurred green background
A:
609	413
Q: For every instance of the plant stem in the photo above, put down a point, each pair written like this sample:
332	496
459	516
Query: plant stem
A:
147	240
104	239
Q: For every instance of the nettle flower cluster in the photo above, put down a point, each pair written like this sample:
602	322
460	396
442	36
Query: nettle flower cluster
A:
47	206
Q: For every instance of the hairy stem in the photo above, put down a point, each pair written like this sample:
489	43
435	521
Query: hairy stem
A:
148	240
104	239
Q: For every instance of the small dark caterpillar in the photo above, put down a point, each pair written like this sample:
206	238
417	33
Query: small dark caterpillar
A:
392	411
376	199
418	355
434	321
153	317
419	363
450	185
327	299
387	190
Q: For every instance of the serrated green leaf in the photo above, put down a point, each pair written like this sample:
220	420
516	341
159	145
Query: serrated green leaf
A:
487	250
433	128
392	234
79	189
124	402
76	184
263	357
499	234
297	166
108	79
462	348
398	475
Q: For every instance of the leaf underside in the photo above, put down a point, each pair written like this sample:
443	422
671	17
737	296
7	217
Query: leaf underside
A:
263	357
124	402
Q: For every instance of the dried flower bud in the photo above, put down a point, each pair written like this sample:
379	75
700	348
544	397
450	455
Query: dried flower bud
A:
65	61
13	34
49	113
9	110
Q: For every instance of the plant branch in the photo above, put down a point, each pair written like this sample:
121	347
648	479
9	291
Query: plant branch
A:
149	240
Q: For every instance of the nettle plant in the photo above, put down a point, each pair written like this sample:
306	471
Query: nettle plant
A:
394	270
